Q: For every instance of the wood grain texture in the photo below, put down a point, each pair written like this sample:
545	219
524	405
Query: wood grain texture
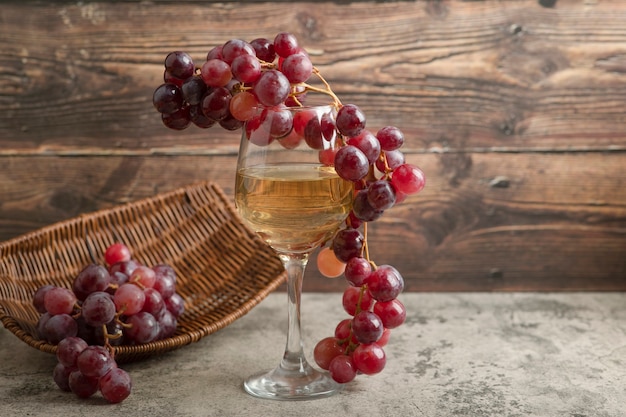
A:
515	111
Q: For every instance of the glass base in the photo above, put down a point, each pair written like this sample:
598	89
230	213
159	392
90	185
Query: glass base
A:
282	384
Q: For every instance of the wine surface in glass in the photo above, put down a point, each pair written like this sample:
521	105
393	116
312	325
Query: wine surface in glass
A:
293	207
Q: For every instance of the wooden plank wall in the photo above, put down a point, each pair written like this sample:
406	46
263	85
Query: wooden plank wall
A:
514	109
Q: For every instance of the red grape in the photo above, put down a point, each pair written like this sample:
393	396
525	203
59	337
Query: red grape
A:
408	179
392	313
351	163
325	351
369	359
342	369
350	120
367	327
115	385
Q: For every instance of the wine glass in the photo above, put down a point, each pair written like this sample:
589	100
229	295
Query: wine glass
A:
289	193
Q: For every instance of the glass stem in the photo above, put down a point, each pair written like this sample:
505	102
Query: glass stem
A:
294	359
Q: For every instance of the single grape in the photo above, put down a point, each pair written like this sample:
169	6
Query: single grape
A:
350	120
235	48
385	283
68	350
215	105
38	298
313	134
144	328
280	122
194	88
369	359
129	299
272	88
167	324
94	361
390	138
143	276
154	303
347	244
117	252
175	305
285	44
408	179
343	332
98	308
215	73
246	68
179	64
167	98
264	49
243	106
357	270
328	264
325	351
115	385
392	313
61	376
352	296
367	327
297	68
166	271
351	163
94	278
82	385
381	195
342	369
59	300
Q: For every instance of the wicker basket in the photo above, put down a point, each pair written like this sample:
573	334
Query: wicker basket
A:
223	268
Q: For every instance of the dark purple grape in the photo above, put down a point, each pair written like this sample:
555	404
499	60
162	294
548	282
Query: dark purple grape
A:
350	120
215	104
381	195
362	209
167	98
38	298
98	308
367	327
348	243
264	49
179	64
351	163
91	279
143	327
59	327
193	90
178	120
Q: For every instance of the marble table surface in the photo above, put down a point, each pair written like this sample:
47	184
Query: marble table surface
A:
458	354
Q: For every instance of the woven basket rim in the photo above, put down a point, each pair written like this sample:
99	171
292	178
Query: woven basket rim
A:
236	305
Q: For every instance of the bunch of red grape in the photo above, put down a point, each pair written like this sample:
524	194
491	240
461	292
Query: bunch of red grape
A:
251	85
123	303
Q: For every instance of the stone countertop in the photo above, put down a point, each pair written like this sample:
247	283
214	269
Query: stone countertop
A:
458	354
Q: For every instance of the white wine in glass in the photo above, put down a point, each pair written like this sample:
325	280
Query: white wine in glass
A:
295	203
